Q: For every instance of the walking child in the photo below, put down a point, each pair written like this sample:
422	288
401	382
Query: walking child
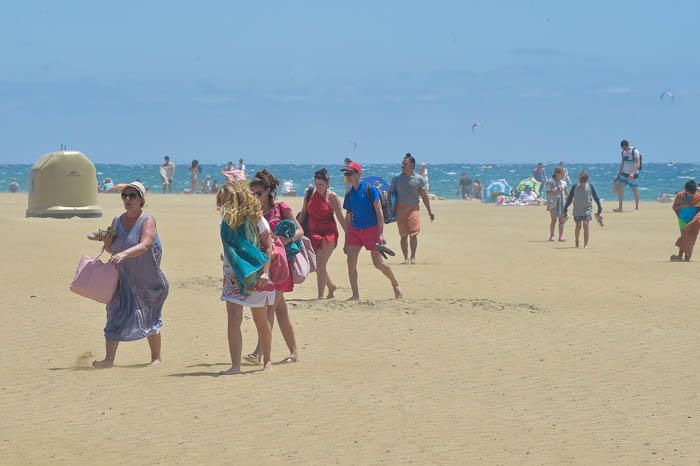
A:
582	195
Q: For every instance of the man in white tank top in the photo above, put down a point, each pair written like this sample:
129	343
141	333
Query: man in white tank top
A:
628	174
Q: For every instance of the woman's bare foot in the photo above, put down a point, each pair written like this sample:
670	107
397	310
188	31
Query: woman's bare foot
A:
155	362
267	367
397	291
104	364
232	371
331	291
290	359
353	298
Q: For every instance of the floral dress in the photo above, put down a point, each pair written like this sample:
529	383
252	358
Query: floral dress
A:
259	297
135	311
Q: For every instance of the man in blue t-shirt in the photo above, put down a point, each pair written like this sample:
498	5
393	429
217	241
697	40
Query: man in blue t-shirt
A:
364	226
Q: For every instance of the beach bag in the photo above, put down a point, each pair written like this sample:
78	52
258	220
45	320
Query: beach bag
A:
302	216
279	268
309	252
303	263
387	213
95	279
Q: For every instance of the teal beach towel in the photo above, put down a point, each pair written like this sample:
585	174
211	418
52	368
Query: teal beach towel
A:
244	255
287	229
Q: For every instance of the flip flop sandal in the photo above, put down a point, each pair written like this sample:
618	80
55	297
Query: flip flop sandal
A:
289	360
253	359
384	249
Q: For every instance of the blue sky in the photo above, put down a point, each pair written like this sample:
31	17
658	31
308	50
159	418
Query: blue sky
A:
298	81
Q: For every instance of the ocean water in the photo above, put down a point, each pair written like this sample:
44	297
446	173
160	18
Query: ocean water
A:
655	177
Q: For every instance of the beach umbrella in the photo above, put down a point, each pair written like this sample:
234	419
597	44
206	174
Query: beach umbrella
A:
533	183
383	185
499	186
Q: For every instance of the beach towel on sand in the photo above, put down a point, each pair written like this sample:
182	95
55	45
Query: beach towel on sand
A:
689	234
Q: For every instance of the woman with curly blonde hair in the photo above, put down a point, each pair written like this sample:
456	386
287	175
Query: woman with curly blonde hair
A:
247	250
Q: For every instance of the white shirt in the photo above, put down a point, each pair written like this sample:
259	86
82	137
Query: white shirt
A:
628	157
287	187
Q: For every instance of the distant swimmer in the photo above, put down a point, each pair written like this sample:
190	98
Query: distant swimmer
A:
205	188
687	209
13	187
466	186
288	188
167	172
566	174
540	174
478	190
195	170
235	173
423	171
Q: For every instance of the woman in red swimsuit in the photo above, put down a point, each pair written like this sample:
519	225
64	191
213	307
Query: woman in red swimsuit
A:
264	186
323	208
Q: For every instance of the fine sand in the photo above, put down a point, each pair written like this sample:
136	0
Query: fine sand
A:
507	349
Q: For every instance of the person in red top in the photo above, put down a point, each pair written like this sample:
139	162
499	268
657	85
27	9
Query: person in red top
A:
322	208
264	186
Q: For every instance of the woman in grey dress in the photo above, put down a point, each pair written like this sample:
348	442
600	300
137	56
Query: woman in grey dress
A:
135	311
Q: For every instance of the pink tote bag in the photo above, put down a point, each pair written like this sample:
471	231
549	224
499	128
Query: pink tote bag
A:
95	279
279	268
304	263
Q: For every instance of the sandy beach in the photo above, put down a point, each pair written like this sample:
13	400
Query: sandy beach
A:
507	349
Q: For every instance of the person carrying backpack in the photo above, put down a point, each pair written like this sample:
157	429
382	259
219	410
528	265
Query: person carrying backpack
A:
364	226
628	174
410	188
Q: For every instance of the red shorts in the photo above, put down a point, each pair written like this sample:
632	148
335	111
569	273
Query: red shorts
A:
366	237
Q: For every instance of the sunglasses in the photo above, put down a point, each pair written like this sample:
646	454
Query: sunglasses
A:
131	195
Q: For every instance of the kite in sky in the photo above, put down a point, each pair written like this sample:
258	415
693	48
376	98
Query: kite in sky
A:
668	94
475	125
